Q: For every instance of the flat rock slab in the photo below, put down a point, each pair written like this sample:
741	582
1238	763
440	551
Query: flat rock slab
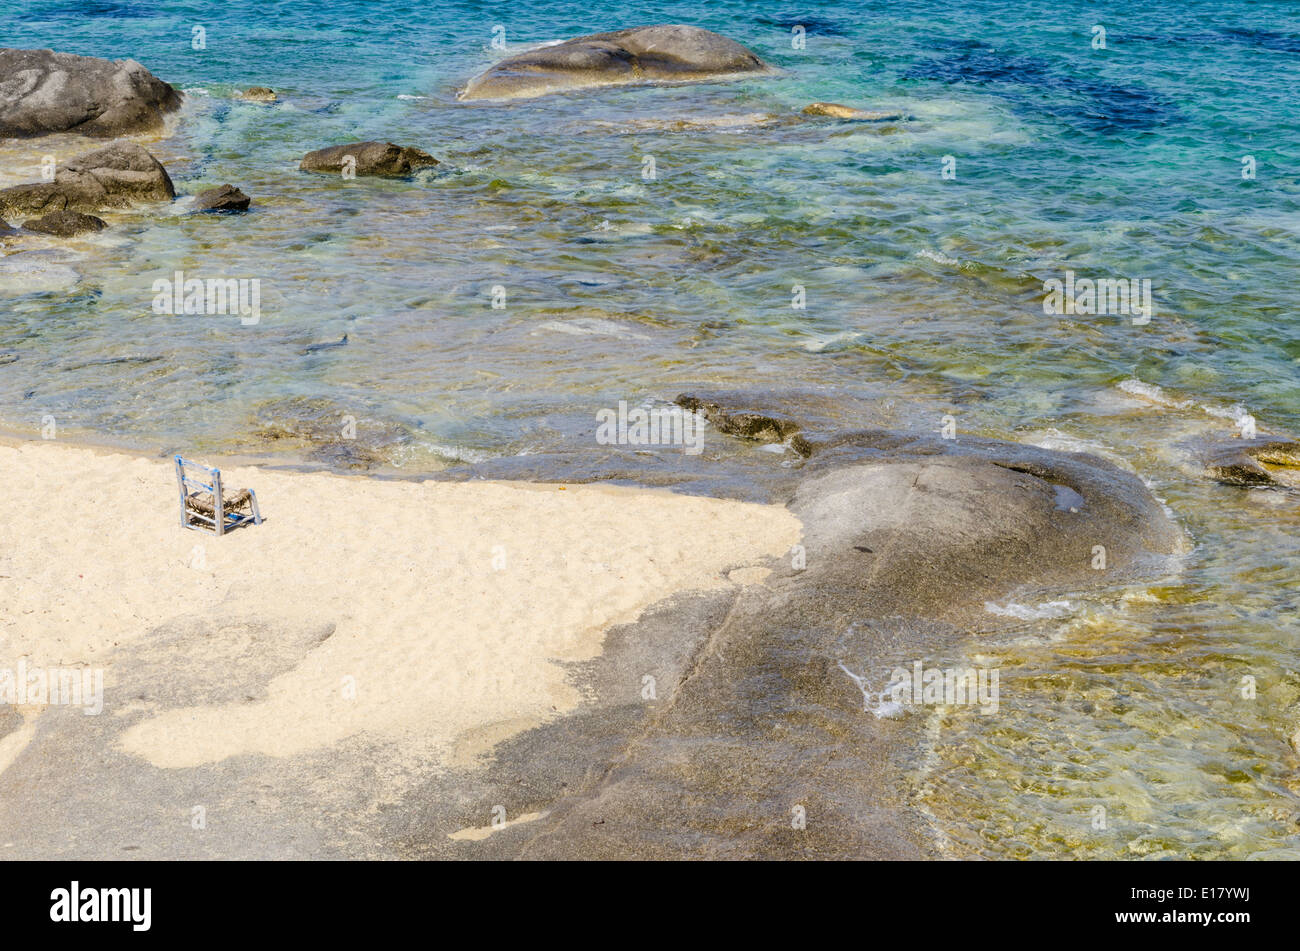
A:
43	92
120	175
665	53
368	158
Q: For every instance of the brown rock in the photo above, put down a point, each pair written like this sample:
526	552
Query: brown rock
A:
258	94
120	175
368	158
1243	463
65	224
221	198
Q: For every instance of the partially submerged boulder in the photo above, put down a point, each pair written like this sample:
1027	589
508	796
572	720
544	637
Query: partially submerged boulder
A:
42	92
258	94
1245	462
5	229
664	53
834	110
221	198
120	175
65	224
906	539
756	426
368	158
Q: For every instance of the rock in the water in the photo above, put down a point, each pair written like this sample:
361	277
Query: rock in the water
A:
1243	462
65	224
6	230
120	175
316	427
905	540
761	427
835	111
221	198
42	92
368	158
258	94
665	53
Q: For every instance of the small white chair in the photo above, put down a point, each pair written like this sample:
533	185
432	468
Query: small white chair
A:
205	507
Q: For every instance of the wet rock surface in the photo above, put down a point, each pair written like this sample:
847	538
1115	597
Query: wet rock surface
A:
65	224
221	198
747	424
368	158
1254	462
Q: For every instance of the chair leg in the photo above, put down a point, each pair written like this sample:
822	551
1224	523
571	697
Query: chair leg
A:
180	481
257	514
218	503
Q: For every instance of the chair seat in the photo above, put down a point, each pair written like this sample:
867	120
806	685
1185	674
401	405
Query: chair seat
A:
203	503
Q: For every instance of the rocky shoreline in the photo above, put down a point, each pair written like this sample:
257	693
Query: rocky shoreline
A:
44	92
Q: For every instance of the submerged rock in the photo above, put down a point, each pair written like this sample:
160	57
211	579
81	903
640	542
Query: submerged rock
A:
835	111
329	432
724	123
43	92
760	427
120	175
65	224
665	53
258	94
368	158
1244	462
330	345
221	198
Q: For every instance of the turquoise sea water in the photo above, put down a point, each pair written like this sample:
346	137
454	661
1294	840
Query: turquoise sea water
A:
924	298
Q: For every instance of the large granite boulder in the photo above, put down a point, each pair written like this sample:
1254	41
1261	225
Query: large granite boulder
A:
42	92
665	53
120	175
368	158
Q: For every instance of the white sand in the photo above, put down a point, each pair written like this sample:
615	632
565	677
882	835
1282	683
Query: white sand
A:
445	648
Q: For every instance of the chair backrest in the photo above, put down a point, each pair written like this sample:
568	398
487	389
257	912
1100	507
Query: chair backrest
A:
194	484
187	481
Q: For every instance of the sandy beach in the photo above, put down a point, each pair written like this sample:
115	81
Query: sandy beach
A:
439	610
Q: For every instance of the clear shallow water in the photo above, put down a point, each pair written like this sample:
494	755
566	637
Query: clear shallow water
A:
924	298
